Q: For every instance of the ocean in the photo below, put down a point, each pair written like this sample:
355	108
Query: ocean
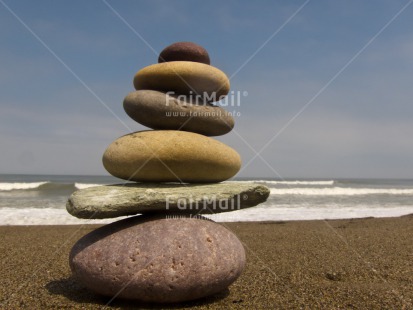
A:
41	199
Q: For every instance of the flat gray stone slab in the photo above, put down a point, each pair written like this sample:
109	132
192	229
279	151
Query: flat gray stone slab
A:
109	201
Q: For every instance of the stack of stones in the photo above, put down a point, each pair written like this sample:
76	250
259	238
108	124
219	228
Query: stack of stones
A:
168	252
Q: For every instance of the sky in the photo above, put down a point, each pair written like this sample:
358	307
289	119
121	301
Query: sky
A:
329	83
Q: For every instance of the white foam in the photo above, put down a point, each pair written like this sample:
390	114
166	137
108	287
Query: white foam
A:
340	191
330	182
52	216
44	216
298	182
20	186
86	185
286	213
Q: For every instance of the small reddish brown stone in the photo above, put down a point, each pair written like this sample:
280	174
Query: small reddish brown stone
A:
184	51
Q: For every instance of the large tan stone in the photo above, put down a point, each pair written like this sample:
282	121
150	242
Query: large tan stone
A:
184	77
170	156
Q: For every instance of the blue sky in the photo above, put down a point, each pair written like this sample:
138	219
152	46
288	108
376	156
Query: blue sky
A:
53	117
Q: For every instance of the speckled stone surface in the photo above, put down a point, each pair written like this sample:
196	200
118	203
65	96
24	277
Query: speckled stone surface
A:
170	156
156	259
184	77
157	110
109	201
184	51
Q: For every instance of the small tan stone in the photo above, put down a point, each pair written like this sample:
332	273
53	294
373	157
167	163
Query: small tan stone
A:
170	156
184	77
157	110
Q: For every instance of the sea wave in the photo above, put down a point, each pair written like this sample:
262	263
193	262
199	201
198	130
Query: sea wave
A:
286	213
52	216
340	191
86	185
330	182
44	186
44	216
21	186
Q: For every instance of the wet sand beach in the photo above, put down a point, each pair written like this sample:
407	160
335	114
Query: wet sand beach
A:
335	264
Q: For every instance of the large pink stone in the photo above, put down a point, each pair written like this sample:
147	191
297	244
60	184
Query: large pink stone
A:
158	259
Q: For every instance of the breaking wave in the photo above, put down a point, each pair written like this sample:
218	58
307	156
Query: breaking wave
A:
315	183
340	191
21	186
43	186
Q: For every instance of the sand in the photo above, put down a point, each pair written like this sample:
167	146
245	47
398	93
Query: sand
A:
340	264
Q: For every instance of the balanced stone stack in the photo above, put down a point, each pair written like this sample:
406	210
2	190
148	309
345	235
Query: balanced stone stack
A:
168	252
